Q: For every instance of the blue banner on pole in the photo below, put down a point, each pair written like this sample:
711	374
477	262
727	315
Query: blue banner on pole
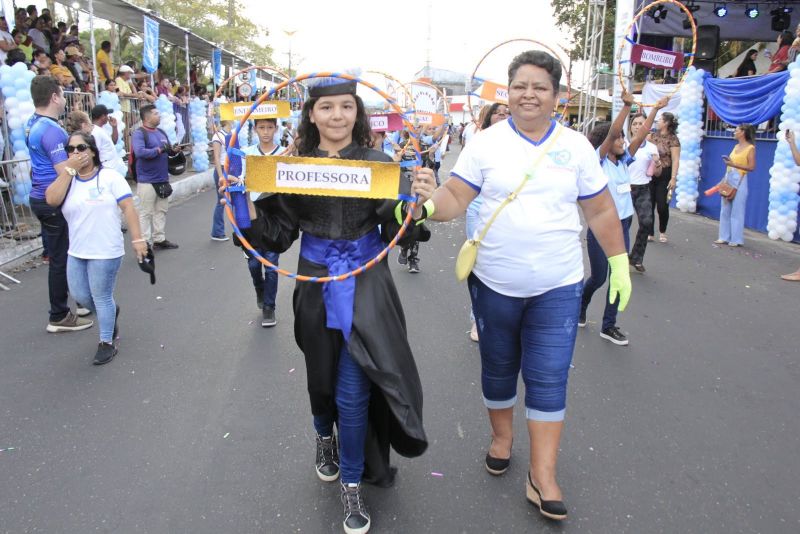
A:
216	65
150	48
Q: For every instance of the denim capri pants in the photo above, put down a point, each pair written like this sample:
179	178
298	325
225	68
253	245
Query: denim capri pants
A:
534	335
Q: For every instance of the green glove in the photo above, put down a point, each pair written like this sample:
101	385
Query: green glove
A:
620	281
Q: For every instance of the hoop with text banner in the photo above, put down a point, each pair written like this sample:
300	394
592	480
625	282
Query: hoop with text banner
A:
494	92
277	109
150	45
655	58
328	177
386	122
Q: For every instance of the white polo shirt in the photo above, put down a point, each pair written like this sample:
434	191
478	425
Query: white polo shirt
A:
534	244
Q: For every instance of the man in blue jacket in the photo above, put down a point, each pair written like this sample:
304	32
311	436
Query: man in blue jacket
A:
150	147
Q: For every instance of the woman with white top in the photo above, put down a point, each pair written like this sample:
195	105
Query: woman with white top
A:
527	281
219	148
92	200
641	171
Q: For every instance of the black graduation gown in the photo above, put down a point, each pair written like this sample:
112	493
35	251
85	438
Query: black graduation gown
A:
378	341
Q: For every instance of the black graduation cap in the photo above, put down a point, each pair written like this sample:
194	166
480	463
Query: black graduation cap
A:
328	86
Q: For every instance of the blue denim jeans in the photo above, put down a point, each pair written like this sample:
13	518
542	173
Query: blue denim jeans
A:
92	283
218	219
731	213
599	272
263	278
534	335
352	403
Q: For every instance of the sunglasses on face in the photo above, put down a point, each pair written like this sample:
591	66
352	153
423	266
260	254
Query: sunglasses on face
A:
80	148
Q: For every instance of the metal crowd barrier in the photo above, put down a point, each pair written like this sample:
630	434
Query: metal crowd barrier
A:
19	227
77	101
715	127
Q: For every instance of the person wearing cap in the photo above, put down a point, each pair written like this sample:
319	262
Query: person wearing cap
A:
124	87
360	370
106	144
72	63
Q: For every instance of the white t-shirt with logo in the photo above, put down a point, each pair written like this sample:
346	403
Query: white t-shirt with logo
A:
638	169
93	215
534	245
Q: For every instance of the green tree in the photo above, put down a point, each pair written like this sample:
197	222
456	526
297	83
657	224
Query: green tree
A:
572	17
219	21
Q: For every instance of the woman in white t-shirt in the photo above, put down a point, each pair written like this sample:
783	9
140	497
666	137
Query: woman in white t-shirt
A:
641	171
527	282
92	200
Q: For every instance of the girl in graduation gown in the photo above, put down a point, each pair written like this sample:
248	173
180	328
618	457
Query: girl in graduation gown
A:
361	374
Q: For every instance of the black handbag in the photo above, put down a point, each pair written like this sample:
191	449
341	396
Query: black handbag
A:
163	189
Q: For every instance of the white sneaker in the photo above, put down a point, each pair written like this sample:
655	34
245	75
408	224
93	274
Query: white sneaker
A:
80	311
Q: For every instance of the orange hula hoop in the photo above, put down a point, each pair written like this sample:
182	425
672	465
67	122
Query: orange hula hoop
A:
564	68
625	42
227	201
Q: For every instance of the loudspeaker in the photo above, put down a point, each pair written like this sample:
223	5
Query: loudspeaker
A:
707	42
708	65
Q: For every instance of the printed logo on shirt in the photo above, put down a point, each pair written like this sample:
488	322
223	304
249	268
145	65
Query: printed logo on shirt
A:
560	157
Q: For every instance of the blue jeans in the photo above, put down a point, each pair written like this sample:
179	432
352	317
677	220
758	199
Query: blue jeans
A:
599	272
92	283
263	278
55	237
731	213
352	402
535	335
218	219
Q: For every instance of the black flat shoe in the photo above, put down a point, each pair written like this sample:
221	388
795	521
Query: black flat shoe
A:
497	466
550	509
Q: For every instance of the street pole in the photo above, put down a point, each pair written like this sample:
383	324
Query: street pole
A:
94	46
289	34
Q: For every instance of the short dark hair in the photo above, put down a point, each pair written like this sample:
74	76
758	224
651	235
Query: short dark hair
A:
599	134
273	121
105	45
42	90
537	59
31	8
109	82
89	140
145	110
61	24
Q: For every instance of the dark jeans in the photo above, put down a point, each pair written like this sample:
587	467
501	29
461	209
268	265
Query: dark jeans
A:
352	403
599	265
658	188
218	219
643	204
263	278
54	230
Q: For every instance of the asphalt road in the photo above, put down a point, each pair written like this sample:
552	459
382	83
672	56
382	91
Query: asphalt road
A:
201	424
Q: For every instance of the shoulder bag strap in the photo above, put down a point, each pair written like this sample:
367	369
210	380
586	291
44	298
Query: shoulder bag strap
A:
528	176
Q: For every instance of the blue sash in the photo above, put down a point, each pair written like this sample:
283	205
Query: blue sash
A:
340	256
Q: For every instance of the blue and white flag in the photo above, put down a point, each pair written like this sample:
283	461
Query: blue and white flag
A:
216	65
150	48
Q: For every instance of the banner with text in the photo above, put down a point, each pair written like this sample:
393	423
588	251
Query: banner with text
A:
386	122
655	58
494	92
425	98
150	45
323	177
216	65
234	111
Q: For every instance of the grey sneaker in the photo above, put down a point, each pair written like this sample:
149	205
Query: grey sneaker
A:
327	458
268	317
356	516
70	323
